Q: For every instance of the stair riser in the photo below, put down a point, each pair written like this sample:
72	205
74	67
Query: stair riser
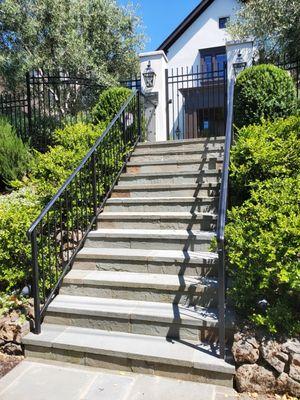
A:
208	223
147	267
186	147
134	325
202	296
205	206
150	243
127	363
169	179
207	166
176	157
166	192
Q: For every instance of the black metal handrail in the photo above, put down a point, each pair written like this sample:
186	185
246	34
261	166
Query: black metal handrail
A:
59	232
222	219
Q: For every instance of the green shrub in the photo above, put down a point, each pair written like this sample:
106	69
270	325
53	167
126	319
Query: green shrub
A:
263	91
263	245
49	170
109	104
17	211
265	151
14	154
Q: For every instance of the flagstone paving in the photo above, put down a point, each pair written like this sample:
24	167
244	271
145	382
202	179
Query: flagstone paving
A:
38	380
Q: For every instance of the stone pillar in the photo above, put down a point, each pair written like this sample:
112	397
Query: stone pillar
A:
233	49
157	129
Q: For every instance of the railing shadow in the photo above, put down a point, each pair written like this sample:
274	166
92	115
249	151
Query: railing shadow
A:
173	334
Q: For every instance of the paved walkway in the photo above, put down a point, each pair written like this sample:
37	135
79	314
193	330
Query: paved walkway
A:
38	380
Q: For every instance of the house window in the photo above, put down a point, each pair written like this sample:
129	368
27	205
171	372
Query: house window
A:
223	22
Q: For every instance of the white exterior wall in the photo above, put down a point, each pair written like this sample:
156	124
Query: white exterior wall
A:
203	33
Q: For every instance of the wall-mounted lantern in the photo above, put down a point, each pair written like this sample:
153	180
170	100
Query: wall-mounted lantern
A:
149	76
239	65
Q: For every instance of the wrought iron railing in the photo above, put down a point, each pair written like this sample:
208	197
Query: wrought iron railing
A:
223	201
60	230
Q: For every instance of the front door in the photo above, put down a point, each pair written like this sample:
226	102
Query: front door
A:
213	61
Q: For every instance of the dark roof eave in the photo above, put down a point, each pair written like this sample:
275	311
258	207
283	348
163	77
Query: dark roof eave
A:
185	24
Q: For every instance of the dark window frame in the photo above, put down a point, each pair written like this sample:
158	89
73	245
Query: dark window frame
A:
223	21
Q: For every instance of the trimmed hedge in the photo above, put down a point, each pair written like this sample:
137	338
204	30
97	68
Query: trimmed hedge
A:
109	104
263	247
264	151
263	91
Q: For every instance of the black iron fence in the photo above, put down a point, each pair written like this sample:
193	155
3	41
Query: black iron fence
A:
49	101
196	103
59	232
14	107
133	83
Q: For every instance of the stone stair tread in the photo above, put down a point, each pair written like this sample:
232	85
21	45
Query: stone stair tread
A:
166	186
150	255
138	280
129	345
212	139
164	234
158	214
197	160
121	200
175	173
135	310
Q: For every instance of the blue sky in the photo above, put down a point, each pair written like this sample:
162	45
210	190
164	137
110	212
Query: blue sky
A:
161	17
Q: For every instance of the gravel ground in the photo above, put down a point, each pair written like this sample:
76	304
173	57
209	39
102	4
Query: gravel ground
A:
7	363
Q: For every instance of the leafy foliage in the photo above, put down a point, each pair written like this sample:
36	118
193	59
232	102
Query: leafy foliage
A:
14	154
274	25
49	170
264	151
109	103
263	91
17	211
87	37
263	243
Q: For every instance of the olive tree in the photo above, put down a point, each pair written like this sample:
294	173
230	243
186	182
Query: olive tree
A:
274	25
90	37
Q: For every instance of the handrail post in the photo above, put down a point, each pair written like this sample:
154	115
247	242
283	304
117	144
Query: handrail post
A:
221	299
139	111
94	183
35	287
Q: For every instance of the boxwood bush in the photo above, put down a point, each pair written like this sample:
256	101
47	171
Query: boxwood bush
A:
17	211
263	245
263	91
264	151
109	104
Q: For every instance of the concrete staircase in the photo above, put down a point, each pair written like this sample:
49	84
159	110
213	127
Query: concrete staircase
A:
142	294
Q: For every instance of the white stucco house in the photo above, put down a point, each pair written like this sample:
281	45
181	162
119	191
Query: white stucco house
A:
192	68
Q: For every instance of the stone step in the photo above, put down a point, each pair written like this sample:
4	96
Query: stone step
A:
177	155
181	142
150	239
157	220
163	204
145	261
167	147
189	164
129	352
188	290
146	318
201	189
186	177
